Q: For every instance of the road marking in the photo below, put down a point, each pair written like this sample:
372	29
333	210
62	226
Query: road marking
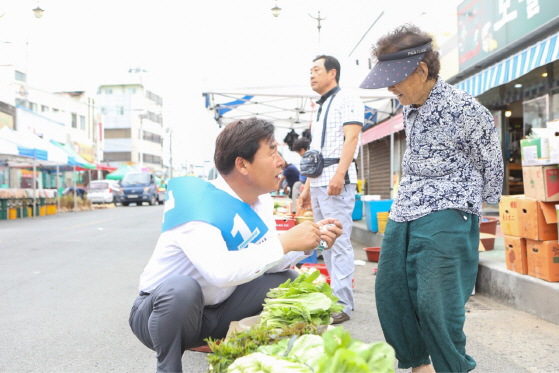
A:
93	222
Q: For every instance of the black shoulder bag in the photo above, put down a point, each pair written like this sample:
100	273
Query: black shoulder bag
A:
312	162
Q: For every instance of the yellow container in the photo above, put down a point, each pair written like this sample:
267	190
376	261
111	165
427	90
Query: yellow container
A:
51	209
43	211
29	212
12	214
360	185
382	218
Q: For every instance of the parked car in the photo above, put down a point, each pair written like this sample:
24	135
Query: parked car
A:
104	191
161	193
138	187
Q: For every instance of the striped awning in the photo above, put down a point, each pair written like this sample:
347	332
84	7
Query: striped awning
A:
539	54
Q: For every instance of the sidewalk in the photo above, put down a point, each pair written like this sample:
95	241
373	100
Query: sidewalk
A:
521	292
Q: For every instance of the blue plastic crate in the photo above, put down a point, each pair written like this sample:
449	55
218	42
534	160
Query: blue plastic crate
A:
311	259
371	209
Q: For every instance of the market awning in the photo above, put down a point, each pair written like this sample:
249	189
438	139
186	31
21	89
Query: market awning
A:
121	171
385	128
287	107
9	148
74	157
34	146
105	167
536	55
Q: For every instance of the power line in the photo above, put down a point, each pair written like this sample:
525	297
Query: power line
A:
365	34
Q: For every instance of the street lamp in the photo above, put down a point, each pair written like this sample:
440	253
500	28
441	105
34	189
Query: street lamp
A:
38	11
319	26
276	10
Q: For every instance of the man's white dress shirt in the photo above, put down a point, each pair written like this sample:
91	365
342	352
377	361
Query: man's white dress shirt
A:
197	249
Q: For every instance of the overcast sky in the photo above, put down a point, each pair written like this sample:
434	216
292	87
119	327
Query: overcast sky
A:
190	46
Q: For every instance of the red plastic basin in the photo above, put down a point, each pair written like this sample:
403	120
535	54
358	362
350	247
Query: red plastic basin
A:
320	266
372	253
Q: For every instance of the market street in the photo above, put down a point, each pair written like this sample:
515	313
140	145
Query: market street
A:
69	280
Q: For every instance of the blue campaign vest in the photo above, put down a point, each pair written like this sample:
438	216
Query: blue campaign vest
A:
192	199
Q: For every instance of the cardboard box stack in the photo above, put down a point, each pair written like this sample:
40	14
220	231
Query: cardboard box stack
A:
529	222
515	243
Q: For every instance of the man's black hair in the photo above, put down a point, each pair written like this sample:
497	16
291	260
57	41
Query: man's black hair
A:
330	63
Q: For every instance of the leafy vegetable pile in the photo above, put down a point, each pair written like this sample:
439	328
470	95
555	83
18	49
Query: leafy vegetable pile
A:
334	351
286	338
299	301
239	344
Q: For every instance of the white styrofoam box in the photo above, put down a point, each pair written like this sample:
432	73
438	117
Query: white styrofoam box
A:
371	197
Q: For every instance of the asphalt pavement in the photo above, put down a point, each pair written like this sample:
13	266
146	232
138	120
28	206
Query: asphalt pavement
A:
69	280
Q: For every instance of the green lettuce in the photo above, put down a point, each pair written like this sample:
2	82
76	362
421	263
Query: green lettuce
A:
260	363
299	301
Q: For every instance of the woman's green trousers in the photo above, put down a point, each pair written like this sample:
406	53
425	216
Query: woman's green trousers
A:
426	273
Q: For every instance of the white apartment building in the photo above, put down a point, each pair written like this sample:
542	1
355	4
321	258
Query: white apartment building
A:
133	124
67	117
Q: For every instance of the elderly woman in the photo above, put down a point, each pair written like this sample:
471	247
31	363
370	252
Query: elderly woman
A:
451	167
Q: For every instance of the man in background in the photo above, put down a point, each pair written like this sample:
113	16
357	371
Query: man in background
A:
300	146
332	193
290	175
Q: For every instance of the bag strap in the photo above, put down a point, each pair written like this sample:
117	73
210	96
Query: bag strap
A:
326	117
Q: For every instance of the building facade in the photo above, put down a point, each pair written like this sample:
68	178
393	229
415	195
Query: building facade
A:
509	61
66	117
133	125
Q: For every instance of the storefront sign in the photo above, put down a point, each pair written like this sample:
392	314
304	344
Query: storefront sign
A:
486	27
87	152
6	120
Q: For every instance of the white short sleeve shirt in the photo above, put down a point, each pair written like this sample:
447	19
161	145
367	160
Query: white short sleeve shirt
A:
345	109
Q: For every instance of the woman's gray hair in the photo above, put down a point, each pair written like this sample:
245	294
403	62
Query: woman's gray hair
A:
405	37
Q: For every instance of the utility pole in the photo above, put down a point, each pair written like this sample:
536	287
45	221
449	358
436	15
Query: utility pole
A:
171	153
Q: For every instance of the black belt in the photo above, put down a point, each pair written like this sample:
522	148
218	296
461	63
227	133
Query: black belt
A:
332	161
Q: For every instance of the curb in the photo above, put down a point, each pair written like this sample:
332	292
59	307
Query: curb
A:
521	292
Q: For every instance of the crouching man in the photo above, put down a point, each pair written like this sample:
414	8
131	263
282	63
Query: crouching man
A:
219	252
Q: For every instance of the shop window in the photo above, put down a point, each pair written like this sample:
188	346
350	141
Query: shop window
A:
554	105
118	156
117	133
22	77
535	113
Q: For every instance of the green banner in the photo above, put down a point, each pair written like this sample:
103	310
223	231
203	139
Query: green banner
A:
487	26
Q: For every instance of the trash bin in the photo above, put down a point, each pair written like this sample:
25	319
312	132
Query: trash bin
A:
358	208
3	209
371	209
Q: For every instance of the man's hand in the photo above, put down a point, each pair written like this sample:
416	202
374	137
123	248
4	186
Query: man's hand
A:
304	200
331	233
302	237
336	185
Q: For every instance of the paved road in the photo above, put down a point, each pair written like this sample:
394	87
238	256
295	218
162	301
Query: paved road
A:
68	282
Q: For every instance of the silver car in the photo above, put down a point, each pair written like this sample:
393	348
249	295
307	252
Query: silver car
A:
104	191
